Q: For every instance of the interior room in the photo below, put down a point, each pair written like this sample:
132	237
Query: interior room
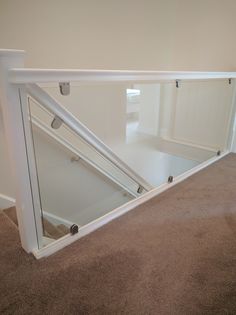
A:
117	157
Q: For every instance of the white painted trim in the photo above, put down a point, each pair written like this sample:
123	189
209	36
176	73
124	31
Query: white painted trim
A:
230	132
69	75
12	110
6	202
94	225
32	166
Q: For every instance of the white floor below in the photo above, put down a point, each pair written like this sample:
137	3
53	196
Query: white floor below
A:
142	154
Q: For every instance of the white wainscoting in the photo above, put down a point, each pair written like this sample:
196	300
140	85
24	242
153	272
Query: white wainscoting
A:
202	113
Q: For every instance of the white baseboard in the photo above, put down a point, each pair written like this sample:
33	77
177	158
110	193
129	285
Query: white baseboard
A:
6	202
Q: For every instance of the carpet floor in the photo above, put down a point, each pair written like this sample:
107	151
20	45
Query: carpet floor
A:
175	254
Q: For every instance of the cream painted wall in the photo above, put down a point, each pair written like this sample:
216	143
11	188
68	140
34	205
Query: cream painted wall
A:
124	34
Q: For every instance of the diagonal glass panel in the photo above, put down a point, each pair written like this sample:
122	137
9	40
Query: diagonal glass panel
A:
73	188
57	129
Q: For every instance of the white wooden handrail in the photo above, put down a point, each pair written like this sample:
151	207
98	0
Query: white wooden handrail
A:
25	75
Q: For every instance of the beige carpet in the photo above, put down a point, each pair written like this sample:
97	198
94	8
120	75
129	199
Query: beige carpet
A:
176	254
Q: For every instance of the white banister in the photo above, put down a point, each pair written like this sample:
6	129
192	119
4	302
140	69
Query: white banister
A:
65	75
15	130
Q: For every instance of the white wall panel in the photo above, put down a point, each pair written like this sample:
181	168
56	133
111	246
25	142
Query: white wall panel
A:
202	113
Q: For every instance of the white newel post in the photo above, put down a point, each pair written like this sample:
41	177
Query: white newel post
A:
15	135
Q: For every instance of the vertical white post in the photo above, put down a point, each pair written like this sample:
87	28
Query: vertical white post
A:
15	133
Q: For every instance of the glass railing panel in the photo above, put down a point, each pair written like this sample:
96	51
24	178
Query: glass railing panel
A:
159	129
79	148
72	191
203	113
